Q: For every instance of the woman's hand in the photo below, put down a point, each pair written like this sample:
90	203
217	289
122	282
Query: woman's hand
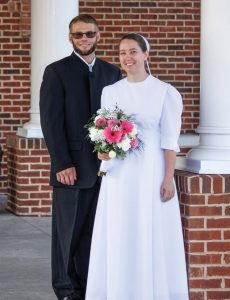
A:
167	190
103	156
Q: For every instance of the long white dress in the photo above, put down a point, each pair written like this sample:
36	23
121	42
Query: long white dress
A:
137	250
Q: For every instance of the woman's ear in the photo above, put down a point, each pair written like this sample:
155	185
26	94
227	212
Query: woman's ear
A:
146	55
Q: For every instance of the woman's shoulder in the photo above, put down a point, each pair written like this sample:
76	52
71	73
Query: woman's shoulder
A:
169	88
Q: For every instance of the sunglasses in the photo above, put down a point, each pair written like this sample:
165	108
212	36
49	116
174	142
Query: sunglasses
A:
88	34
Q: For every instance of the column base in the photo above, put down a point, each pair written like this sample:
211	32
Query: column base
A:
206	166
30	130
204	160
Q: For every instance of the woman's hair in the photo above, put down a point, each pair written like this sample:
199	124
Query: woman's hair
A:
83	18
138	38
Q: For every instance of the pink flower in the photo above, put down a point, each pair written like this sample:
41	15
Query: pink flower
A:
101	122
134	143
111	135
113	122
126	126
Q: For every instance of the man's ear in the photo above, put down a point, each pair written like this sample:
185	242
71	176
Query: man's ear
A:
70	38
98	36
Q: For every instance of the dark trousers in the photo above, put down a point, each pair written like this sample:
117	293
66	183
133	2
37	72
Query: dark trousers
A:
72	226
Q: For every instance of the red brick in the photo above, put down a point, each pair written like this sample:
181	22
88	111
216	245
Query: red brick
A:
22	181
22	210
193	199
46	202
22	196
27	188
202	235
196	295
218	184
40	166
215	295
227	210
196	247
219	199
227	283
28	159
27	203
218	246
41	210
218	223
206	184
218	271
39	195
196	272
227	234
39	180
227	184
227	258
203	211
205	259
205	283
194	223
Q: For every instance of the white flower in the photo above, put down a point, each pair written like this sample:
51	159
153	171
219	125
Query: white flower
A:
96	134
100	111
93	134
124	145
112	154
101	136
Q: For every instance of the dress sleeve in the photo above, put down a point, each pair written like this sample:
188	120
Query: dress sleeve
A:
170	122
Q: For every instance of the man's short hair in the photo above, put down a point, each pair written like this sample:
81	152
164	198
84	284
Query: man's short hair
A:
83	18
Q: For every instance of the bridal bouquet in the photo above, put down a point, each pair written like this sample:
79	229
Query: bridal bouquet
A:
113	132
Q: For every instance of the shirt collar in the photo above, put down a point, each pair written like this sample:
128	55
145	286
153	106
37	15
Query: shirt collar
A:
89	65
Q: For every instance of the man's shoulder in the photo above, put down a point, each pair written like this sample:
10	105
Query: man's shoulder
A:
61	62
107	65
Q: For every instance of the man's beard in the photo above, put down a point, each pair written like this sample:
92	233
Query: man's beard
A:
87	52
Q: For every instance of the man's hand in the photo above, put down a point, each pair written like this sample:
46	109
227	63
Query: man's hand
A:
67	176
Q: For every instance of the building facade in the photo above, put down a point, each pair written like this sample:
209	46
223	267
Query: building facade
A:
190	41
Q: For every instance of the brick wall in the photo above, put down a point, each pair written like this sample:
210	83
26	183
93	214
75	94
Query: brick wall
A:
14	71
28	177
172	27
205	207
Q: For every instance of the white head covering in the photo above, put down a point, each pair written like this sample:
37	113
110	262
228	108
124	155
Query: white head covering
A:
146	42
148	49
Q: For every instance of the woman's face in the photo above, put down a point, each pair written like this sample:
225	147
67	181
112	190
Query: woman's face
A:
132	57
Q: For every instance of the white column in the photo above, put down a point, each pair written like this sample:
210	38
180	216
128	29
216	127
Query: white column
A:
212	156
49	42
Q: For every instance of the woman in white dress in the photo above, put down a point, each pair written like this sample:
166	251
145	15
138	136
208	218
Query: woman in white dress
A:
137	250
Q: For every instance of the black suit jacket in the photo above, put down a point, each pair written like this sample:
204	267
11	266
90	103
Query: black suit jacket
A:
69	95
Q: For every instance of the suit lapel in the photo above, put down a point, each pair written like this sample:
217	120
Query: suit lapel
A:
97	83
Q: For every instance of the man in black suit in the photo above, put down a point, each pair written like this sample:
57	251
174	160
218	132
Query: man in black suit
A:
70	93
